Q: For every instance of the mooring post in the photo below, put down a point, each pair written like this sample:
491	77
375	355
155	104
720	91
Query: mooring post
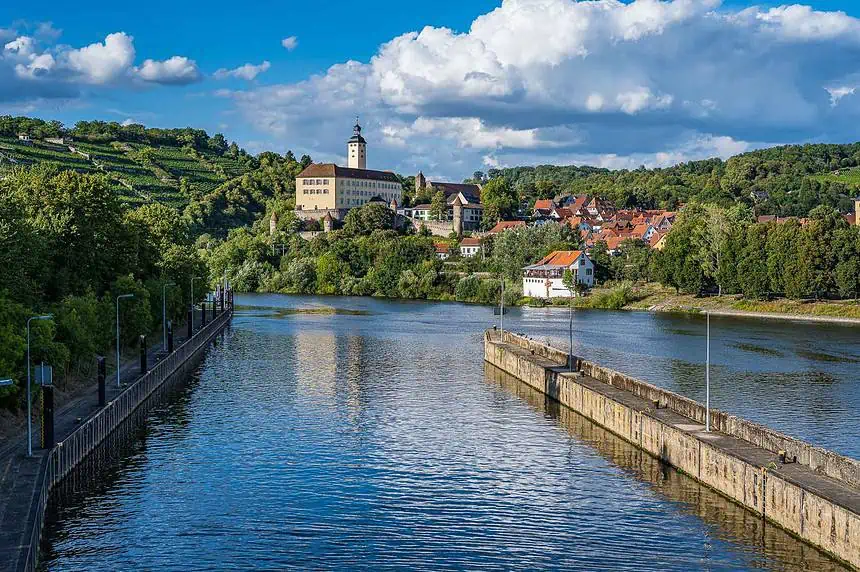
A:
48	417
102	374
143	363
190	321
169	336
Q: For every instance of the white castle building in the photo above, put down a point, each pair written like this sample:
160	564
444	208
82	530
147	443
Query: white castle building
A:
326	188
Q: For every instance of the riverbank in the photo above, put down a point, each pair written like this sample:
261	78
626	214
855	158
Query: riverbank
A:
657	298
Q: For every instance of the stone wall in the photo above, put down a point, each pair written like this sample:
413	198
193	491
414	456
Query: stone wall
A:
839	467
804	511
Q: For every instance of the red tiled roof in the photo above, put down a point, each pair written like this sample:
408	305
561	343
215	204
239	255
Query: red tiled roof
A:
442	247
560	258
470	242
655	238
543	204
564	212
332	170
504	225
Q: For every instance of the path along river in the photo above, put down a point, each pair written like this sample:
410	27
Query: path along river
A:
375	438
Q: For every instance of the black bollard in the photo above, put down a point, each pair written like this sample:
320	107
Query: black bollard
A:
203	313
48	417
170	336
143	362
190	322
102	373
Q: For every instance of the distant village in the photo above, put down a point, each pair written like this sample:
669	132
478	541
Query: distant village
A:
327	192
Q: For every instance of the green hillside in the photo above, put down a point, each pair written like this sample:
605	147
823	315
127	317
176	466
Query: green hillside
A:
214	184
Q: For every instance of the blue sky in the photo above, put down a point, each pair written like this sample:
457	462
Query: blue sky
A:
449	87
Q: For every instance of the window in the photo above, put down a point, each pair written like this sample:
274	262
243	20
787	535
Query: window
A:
588	271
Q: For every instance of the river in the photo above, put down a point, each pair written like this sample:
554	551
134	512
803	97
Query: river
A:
375	438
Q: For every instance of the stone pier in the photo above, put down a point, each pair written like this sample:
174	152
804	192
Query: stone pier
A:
816	497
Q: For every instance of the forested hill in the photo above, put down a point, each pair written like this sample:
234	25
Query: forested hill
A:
216	184
787	181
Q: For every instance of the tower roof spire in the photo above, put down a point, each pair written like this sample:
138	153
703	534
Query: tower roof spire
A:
356	133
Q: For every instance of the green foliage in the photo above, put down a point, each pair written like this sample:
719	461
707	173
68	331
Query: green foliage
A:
365	220
439	206
499	200
515	249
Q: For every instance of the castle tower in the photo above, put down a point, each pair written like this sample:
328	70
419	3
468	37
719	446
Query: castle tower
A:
420	182
273	223
458	217
328	222
356	149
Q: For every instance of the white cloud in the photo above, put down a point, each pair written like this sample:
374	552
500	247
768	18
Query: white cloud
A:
247	71
837	93
177	70
102	62
616	82
290	43
31	69
128	122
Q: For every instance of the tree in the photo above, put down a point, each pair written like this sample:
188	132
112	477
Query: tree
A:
368	218
499	199
439	206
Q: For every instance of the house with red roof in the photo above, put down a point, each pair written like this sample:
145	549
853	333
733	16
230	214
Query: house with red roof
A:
504	225
469	247
544	279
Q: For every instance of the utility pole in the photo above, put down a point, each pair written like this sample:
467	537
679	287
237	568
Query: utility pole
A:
502	309
29	395
708	375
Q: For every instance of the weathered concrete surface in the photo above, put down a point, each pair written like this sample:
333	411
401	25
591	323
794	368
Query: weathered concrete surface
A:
816	499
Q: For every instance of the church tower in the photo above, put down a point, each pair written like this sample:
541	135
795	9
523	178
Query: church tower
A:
356	149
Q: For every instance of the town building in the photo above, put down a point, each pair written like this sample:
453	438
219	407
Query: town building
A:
468	194
545	278
443	250
504	225
326	188
470	247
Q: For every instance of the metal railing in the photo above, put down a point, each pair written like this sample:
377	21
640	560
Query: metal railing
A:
66	455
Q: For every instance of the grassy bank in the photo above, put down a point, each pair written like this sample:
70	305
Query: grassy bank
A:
657	298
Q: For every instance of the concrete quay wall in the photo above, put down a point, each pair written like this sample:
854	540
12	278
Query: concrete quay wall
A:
67	454
815	499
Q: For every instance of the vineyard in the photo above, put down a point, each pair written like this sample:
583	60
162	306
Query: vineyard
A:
137	172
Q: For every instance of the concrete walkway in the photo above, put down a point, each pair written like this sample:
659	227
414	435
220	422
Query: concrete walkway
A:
18	473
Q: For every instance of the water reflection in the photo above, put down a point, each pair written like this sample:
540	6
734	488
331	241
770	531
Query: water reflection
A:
726	520
372	440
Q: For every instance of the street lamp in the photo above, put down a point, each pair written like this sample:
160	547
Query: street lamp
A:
193	278
164	312
29	393
118	298
708	375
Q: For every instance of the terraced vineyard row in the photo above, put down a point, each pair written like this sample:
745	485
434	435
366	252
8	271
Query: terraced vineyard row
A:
138	173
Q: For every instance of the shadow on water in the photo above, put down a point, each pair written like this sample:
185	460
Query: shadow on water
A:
104	468
726	520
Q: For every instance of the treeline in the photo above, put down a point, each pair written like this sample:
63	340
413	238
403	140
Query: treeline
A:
785	181
367	257
68	246
712	249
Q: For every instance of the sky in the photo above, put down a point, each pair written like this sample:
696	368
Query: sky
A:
449	87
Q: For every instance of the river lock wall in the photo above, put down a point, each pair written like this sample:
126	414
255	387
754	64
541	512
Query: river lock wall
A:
805	511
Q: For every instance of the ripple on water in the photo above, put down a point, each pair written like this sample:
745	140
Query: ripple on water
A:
374	443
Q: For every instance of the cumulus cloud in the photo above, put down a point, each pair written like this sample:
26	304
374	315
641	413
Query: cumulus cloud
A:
290	43
177	70
246	72
32	68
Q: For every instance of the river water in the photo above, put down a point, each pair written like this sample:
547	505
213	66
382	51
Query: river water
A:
375	438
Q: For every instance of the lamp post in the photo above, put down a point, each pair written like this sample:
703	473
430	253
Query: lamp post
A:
29	392
708	375
118	298
164	312
193	278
